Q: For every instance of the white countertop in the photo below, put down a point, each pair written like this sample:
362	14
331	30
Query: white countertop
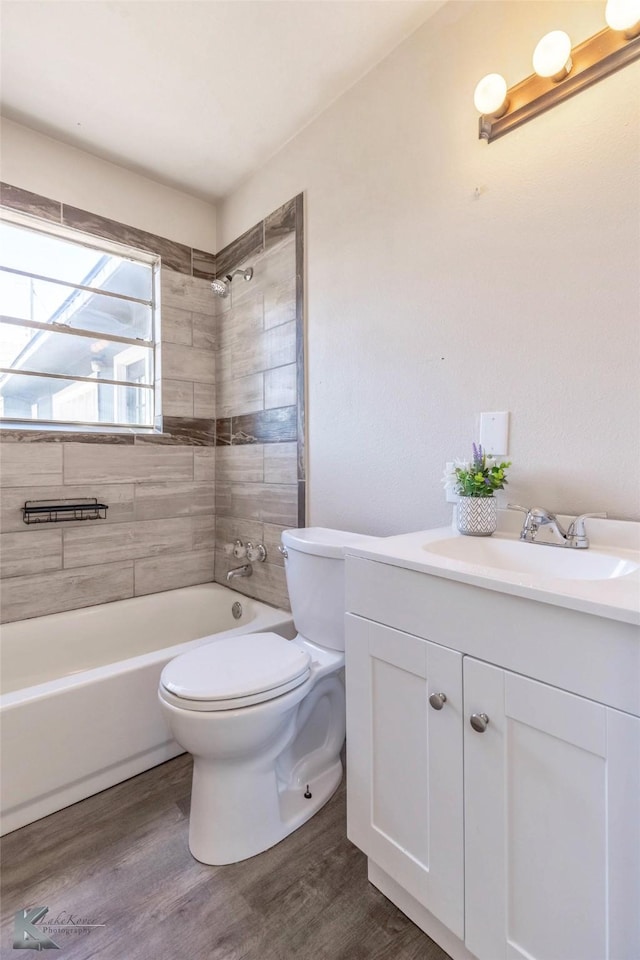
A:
617	598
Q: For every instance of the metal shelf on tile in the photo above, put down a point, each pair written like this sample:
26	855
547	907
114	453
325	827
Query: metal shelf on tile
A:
57	511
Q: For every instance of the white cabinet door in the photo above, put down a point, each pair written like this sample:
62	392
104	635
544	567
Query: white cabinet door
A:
404	784
552	842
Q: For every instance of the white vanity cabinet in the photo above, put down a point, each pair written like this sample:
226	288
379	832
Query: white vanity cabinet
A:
518	840
405	805
552	806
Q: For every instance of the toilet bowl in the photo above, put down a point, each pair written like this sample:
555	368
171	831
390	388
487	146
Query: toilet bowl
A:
264	717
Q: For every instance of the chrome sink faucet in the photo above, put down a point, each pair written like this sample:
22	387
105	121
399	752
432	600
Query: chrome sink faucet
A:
574	536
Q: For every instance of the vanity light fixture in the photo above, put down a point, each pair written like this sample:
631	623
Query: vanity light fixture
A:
560	71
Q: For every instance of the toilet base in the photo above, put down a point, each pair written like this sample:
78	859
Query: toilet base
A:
224	843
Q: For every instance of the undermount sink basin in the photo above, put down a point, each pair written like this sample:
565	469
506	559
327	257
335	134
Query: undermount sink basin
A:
515	556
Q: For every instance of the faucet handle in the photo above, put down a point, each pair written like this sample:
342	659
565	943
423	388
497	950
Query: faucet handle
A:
576	528
516	506
256	551
239	550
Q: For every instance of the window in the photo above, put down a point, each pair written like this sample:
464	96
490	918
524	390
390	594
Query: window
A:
77	329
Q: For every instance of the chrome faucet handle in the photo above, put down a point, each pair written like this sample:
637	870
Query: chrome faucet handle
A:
576	532
239	550
516	506
256	552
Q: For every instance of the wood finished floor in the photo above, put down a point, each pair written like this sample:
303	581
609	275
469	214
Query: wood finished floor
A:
121	857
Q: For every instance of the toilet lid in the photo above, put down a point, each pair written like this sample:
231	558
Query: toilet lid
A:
234	667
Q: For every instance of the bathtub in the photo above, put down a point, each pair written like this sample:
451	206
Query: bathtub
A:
78	703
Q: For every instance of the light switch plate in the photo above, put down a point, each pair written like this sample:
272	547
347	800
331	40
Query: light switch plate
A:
494	433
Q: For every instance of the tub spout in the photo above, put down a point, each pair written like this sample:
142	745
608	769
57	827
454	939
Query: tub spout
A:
244	571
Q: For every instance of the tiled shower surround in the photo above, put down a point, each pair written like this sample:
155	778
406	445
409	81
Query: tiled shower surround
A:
228	465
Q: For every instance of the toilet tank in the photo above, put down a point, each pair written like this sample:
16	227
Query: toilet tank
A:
314	567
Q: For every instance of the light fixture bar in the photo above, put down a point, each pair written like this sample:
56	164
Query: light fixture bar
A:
594	59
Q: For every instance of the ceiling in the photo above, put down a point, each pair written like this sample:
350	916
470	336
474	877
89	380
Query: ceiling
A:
196	94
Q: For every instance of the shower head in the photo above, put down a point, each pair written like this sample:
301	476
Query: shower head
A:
222	287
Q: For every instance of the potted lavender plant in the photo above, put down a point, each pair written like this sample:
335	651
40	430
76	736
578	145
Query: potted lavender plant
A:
475	482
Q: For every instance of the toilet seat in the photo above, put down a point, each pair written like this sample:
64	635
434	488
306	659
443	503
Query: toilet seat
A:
235	672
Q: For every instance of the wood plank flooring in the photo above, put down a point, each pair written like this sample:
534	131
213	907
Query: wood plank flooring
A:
121	858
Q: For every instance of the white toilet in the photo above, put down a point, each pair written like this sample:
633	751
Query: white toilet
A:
264	717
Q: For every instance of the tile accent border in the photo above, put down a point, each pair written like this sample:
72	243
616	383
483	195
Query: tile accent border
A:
175	256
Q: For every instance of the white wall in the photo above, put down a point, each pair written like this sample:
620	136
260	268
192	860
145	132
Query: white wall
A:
51	168
427	304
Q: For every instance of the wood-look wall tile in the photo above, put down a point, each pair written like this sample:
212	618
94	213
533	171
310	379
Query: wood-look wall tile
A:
279	504
223	499
117	496
204	400
168	573
224	436
279	224
176	325
29	552
268	502
240	324
280	303
187	293
270	584
204	533
203	264
199	432
242	463
154	501
280	386
178	398
64	436
26	202
126	541
204	330
236	397
270	269
180	362
280	462
276	425
230	529
36	596
175	256
223	369
249	244
302	503
272	539
84	463
204	464
272	348
33	462
243	585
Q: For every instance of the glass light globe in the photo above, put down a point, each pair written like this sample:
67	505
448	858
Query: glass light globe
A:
623	15
491	94
552	56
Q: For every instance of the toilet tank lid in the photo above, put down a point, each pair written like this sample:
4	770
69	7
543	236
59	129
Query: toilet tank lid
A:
324	542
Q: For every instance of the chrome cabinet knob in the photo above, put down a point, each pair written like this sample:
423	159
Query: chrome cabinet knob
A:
438	700
479	722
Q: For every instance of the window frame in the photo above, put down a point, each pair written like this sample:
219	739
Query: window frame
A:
106	246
